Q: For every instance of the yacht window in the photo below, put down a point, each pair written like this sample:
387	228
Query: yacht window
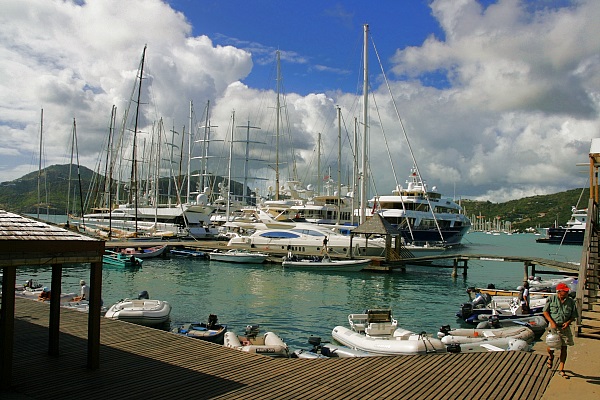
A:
280	235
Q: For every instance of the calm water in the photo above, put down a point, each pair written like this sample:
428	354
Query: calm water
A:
298	304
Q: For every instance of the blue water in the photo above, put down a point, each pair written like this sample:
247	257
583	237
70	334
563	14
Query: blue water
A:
298	304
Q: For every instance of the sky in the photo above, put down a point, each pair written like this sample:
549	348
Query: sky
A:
490	100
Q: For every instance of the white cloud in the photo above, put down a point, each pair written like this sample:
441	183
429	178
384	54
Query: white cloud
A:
517	113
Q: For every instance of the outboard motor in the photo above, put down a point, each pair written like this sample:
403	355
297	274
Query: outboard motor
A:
453	348
143	295
553	340
481	300
314	341
491	286
213	321
444	330
252	331
466	310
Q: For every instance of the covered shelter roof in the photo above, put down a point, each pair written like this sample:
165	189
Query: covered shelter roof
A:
376	225
28	242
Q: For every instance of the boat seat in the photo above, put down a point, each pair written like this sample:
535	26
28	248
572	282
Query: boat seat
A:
377	316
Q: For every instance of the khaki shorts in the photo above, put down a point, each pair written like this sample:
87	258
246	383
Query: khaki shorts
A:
566	336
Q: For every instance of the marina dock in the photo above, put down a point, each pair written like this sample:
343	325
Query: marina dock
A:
143	363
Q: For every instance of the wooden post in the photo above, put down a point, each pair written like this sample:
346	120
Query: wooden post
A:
54	325
7	325
455	268
532	270
93	350
465	267
526	266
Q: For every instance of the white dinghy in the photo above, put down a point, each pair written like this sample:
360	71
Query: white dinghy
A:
377	332
141	311
268	344
514	338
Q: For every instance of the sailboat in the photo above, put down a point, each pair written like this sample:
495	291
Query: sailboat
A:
142	215
423	216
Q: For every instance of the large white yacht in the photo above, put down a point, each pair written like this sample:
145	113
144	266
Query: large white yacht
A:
422	216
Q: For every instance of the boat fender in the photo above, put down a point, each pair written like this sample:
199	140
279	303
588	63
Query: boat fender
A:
517	345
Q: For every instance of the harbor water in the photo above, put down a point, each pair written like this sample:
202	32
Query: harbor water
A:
298	304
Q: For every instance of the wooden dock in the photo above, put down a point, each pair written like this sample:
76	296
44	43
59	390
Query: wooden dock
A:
142	363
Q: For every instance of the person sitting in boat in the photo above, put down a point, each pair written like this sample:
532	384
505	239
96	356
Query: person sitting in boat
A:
44	294
85	292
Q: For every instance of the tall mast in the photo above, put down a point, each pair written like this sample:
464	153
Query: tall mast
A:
134	177
319	175
189	153
40	164
278	112
339	175
229	167
364	177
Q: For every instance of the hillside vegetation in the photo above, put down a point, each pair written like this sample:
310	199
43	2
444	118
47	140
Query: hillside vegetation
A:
21	196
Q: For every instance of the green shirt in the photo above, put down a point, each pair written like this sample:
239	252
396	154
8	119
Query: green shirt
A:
561	312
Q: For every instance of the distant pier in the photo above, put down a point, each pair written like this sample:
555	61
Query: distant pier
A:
459	261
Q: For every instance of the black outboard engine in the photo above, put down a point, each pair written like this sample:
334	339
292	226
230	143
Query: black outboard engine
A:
445	329
491	286
466	310
314	341
453	348
252	331
143	295
213	321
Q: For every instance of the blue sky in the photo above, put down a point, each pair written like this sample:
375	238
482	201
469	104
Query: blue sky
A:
499	98
320	41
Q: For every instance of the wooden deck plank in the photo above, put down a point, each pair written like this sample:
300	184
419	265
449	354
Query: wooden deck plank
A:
137	362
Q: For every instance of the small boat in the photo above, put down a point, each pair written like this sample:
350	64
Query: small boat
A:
82	306
376	331
573	233
211	331
537	323
148	252
488	339
322	349
188	253
239	256
494	336
325	263
121	260
268	344
141	311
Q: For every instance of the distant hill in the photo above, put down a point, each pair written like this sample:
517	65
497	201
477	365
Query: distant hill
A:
21	196
536	211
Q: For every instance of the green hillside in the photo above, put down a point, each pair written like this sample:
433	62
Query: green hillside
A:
535	211
21	195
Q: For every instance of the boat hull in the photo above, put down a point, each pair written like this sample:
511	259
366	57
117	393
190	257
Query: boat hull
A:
268	345
405	345
332	265
141	312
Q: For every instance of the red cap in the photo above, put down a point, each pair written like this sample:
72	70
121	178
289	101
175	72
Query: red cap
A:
562	287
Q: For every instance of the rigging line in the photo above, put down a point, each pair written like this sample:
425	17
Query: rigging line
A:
387	83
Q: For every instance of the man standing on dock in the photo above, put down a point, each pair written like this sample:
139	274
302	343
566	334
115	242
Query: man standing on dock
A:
560	311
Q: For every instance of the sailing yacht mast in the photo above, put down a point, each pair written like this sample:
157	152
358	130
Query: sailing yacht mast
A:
339	175
364	177
40	163
134	183
278	112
